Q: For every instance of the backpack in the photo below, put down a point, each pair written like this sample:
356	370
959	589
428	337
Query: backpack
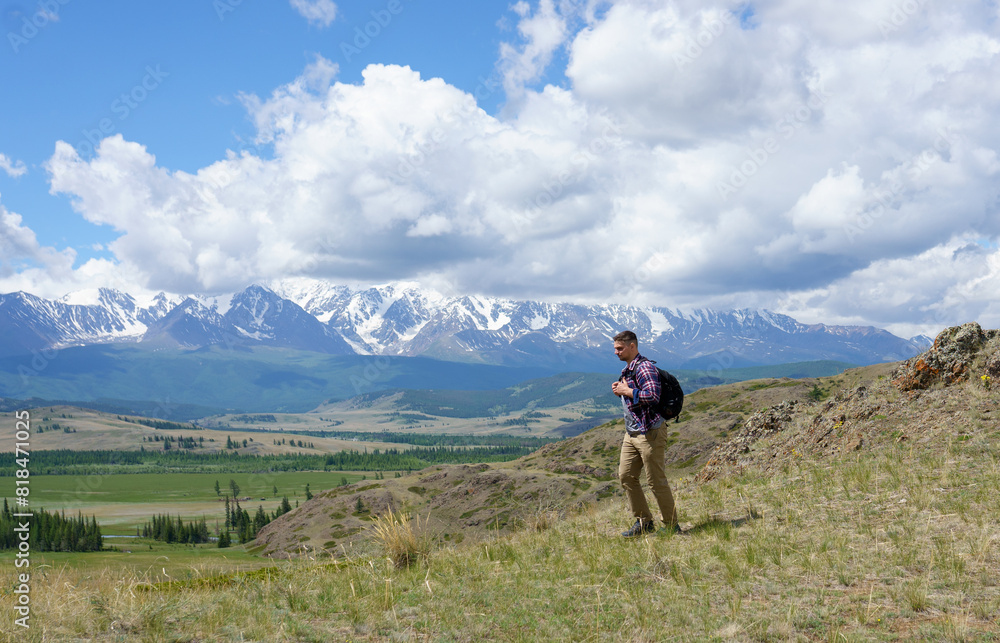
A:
671	395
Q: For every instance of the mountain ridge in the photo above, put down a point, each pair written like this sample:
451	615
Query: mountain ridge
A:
406	320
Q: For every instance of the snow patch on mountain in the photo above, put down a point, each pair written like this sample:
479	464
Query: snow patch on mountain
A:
538	322
659	324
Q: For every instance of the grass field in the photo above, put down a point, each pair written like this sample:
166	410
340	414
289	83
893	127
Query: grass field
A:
123	502
148	558
891	546
893	539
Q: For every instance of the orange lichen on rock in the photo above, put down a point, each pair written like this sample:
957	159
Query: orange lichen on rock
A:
949	360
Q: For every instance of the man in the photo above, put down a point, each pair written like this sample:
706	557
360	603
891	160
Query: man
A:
645	438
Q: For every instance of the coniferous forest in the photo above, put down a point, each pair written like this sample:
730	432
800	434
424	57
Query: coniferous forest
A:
50	531
68	462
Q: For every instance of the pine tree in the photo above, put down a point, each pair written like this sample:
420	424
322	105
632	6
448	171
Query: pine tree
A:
237	517
95	542
259	520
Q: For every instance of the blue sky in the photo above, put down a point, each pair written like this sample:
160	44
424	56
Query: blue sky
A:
837	162
72	72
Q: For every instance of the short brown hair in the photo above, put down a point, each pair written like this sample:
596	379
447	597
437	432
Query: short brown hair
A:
626	337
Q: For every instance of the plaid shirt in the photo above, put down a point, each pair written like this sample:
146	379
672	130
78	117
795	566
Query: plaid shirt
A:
640	376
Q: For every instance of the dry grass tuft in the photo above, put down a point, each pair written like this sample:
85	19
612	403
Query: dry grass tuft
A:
403	540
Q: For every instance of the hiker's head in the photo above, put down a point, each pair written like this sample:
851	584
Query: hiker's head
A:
626	345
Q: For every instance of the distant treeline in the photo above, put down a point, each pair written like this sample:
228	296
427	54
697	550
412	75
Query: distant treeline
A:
182	442
169	529
66	462
412	459
160	424
260	417
50	531
174	530
56	461
434	439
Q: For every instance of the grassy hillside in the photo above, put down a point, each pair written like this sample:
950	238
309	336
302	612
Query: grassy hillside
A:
856	507
896	539
472	501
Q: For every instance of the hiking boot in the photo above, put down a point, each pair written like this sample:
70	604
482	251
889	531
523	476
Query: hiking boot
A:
670	529
639	528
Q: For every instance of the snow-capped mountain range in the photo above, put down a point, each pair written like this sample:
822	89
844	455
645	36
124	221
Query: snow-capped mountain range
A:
405	319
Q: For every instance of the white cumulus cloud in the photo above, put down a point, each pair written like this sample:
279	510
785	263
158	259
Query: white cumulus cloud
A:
320	12
24	263
12	168
833	162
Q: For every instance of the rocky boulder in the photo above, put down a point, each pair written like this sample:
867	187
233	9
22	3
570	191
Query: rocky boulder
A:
956	353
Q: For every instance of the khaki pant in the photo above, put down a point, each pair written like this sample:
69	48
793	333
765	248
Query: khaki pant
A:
646	451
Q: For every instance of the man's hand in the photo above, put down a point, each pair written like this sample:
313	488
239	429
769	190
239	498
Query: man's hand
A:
621	389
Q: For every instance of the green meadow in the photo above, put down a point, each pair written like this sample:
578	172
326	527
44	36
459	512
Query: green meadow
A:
123	502
818	551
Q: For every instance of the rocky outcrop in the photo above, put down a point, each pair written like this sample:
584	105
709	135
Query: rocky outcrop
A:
926	399
957	352
760	425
